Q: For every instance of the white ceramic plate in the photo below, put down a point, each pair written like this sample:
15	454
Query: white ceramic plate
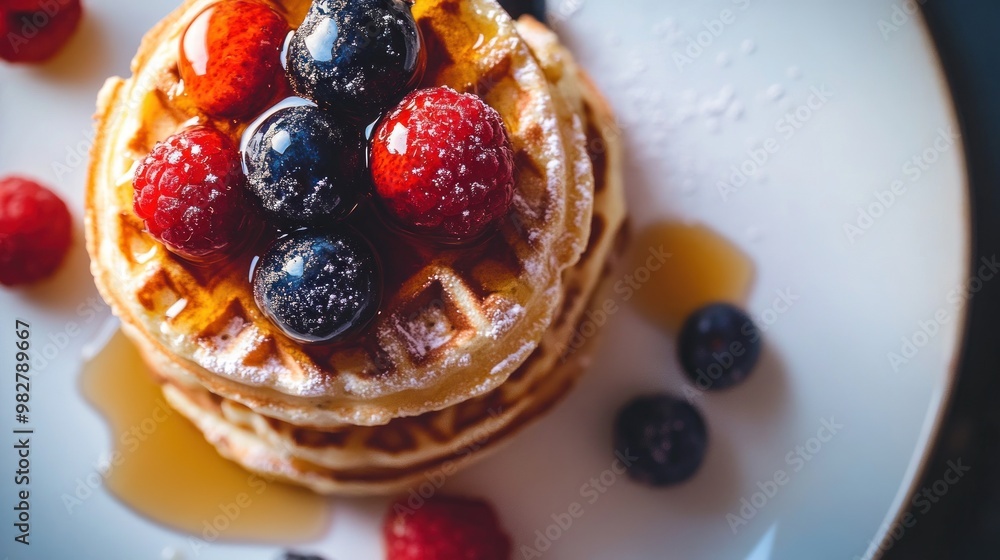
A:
865	92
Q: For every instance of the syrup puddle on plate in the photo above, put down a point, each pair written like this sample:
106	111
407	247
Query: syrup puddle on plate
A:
702	267
163	468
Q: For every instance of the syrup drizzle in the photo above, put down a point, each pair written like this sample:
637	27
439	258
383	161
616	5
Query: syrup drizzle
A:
163	469
702	267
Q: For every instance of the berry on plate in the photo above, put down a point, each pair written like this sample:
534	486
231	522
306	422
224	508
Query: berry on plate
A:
35	231
357	57
319	286
664	439
188	193
445	528
297	556
305	167
35	30
443	165
230	57
718	346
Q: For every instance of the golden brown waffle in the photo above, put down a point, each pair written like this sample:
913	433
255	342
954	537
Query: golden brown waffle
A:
455	324
360	459
471	344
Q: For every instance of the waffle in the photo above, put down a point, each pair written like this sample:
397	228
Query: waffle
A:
470	345
454	325
413	450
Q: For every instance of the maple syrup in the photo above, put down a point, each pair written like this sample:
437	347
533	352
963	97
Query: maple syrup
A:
163	468
680	267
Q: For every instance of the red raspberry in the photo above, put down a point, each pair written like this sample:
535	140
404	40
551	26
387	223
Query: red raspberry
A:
188	191
35	30
230	57
443	164
445	528
35	231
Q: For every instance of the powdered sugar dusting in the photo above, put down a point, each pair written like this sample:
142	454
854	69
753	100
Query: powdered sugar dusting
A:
426	331
514	359
503	319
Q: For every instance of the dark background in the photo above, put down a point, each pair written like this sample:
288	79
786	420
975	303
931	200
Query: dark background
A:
965	523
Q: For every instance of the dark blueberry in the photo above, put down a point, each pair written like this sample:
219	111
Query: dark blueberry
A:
718	346
305	168
318	286
297	556
661	439
356	56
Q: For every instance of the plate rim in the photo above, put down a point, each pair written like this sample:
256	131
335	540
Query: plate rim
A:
917	470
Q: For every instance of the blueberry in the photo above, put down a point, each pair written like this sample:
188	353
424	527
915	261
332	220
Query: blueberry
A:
718	346
358	57
297	556
305	168
318	286
662	437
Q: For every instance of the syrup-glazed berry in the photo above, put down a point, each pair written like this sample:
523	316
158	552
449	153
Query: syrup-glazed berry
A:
318	286
356	56
230	57
35	231
188	191
304	167
443	165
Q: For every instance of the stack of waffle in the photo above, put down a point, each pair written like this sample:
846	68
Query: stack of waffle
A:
471	343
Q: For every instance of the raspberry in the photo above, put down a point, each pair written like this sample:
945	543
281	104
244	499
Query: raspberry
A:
188	192
443	164
230	57
35	30
445	528
35	231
